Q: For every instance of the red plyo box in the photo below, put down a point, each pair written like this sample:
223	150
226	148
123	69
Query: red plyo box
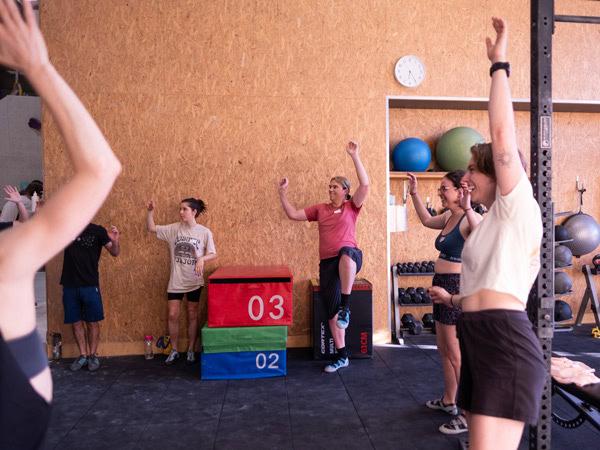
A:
246	296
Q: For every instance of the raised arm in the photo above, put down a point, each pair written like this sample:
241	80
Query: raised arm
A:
363	180
473	218
502	122
290	211
95	166
150	225
435	222
113	246
15	197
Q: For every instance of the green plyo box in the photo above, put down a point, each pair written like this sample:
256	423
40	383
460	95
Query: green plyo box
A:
243	339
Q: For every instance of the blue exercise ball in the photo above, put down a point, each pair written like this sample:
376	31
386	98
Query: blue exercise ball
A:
411	155
453	150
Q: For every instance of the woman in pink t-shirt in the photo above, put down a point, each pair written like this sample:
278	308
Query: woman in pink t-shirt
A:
340	258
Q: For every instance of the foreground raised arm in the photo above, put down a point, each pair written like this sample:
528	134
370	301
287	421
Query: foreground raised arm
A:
502	122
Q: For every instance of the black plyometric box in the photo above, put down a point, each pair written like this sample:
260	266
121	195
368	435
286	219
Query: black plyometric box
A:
359	334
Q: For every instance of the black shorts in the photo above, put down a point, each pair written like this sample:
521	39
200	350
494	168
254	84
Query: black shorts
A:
451	283
331	286
502	372
192	296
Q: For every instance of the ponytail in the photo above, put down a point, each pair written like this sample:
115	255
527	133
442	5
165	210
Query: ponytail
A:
195	203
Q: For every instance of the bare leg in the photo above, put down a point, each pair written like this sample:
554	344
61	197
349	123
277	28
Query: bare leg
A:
93	333
494	432
174	312
192	323
450	353
339	335
347	271
79	333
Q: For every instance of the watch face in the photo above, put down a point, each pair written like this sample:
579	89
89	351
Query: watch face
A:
409	71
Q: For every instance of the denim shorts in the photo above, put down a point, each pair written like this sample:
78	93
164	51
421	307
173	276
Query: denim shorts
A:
82	303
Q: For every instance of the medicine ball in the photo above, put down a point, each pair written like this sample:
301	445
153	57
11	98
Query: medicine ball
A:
562	256
411	155
584	231
453	150
562	311
560	233
562	283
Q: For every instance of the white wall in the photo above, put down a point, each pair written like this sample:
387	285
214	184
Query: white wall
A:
20	145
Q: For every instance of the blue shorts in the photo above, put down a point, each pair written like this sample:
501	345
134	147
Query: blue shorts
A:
329	278
82	303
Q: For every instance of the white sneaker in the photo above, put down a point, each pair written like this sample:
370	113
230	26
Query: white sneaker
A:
341	362
438	403
173	356
191	357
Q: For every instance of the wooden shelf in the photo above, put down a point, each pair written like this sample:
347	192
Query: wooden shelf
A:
418	274
419	175
563	295
481	104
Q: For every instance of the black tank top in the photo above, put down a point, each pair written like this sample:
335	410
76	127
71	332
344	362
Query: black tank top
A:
451	245
24	415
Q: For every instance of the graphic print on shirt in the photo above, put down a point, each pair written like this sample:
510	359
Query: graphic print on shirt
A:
186	250
86	240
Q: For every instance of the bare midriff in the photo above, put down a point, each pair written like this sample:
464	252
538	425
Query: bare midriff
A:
488	299
443	266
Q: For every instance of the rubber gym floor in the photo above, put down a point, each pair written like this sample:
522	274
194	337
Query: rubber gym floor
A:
131	403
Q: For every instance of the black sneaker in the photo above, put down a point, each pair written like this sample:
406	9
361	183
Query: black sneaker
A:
343	318
80	362
93	363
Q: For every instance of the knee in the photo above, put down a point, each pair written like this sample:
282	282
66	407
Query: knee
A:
192	316
173	315
77	326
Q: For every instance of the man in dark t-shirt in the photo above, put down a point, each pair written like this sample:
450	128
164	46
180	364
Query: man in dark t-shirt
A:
81	289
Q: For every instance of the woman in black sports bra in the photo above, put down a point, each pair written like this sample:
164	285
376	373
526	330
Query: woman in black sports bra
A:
25	380
454	231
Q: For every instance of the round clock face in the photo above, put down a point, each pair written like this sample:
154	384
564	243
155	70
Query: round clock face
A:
409	71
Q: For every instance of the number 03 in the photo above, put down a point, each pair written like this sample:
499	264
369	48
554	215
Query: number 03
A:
261	307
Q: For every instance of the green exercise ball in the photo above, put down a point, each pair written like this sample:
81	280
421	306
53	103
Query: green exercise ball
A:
453	150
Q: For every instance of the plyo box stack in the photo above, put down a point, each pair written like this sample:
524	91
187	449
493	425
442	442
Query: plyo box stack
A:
249	308
359	334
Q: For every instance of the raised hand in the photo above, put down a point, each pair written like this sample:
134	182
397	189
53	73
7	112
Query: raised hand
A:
352	148
464	196
283	184
150	205
13	194
412	183
113	234
497	51
22	46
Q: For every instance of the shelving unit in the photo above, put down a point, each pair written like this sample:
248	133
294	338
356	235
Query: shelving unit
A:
397	331
560	326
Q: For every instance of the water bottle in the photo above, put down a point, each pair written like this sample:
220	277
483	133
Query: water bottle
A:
56	345
34	201
148	353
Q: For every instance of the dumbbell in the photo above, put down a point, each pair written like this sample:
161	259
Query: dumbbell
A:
416	268
430	268
428	322
596	263
426	298
414	326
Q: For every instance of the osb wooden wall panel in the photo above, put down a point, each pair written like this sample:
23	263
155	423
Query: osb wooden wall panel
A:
218	99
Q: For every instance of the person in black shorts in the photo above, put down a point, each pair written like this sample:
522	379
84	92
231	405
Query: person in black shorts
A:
503	372
25	379
340	258
454	230
82	301
190	246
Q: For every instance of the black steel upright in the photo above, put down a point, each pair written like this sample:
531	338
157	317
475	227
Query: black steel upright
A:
542	294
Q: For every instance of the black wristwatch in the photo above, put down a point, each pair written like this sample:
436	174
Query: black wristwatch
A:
499	66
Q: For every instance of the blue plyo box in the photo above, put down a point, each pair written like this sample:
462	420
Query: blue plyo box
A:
239	365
